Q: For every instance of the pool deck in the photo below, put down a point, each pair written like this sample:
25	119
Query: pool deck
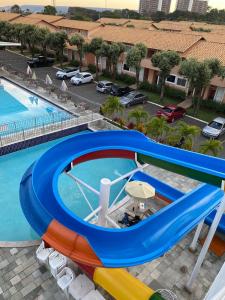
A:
24	279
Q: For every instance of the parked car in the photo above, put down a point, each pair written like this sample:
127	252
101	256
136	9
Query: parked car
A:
40	61
104	86
215	128
171	112
119	91
81	78
133	98
67	73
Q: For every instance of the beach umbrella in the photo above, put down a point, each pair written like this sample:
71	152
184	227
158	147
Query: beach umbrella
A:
48	80
140	190
29	71
63	87
34	76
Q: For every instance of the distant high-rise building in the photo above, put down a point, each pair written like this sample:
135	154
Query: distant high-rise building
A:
196	6
149	7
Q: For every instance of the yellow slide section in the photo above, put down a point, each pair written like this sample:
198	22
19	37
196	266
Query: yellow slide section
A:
121	284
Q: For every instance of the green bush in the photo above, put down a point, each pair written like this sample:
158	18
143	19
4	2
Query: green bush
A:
169	92
75	63
175	93
213	105
129	80
92	68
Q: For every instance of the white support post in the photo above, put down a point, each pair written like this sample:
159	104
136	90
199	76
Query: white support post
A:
104	201
207	243
193	245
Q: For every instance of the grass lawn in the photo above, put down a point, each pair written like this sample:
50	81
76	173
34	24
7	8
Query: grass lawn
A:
204	113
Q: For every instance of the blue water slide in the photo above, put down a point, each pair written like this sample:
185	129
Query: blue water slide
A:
174	194
138	244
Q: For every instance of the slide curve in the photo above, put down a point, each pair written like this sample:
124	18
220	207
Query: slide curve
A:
92	245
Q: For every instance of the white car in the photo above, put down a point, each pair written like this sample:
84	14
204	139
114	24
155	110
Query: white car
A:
215	128
104	86
81	78
67	73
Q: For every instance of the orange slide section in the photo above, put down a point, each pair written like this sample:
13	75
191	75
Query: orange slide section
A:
70	244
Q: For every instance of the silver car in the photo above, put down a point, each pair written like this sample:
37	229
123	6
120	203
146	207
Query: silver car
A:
133	98
104	86
215	128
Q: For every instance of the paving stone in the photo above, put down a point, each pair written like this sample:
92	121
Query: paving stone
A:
27	289
15	280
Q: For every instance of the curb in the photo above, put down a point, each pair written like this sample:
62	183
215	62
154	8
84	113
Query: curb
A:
189	116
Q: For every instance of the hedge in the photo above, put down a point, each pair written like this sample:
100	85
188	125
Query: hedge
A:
169	91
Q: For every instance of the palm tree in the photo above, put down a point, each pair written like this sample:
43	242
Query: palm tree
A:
57	40
94	47
186	134
211	146
140	116
112	106
158	129
78	40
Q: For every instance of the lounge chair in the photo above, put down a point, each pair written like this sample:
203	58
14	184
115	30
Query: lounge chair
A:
64	279
129	220
43	253
80	287
57	262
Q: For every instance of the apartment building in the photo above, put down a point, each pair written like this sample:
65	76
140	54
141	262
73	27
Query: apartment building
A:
196	6
149	7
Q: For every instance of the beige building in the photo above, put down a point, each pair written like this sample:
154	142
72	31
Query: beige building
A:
149	7
196	6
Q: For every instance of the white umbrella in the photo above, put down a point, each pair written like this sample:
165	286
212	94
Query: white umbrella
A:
140	190
34	77
29	71
48	80
63	87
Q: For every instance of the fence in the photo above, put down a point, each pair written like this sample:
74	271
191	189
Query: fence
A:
20	131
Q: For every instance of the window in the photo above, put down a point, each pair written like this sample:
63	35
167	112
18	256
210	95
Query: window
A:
181	81
171	79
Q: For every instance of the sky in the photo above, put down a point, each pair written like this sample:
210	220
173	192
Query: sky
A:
132	4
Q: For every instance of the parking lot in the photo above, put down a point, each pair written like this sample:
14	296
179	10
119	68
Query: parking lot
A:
85	93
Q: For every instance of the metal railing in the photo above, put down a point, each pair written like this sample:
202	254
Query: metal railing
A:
20	131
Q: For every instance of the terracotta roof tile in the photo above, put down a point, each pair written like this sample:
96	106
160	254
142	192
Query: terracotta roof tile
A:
158	40
8	16
173	26
47	18
36	22
74	24
112	21
206	50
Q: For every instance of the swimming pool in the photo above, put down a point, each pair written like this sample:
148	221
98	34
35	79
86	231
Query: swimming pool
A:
14	226
21	109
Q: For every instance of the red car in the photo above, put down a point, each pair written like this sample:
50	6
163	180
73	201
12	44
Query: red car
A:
171	112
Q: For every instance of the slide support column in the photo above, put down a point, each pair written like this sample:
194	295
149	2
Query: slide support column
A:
104	201
193	245
201	257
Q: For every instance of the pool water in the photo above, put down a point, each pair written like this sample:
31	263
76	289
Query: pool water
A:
14	226
20	109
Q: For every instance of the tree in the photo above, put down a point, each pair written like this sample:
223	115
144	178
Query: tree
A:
140	116
134	58
211	146
199	75
187	134
49	10
78	40
15	9
158	129
94	47
107	52
57	41
165	61
112	106
117	50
